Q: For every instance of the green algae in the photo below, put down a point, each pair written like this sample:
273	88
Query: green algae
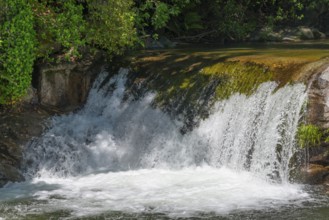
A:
238	77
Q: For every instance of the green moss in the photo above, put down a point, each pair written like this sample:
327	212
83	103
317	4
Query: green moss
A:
187	85
309	135
238	77
222	79
188	88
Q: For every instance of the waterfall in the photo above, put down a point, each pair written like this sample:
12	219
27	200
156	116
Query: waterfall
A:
121	154
116	133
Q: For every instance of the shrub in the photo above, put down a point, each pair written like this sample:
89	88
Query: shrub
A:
17	49
60	26
111	25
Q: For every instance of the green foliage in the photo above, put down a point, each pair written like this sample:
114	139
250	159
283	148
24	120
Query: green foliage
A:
317	4
238	77
157	14
188	22
70	26
111	25
17	49
192	21
234	20
230	19
33	28
309	135
234	23
66	25
317	13
60	27
161	15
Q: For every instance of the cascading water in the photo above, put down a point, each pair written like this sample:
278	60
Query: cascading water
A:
121	154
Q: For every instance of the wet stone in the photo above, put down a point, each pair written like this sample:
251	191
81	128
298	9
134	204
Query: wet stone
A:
315	174
16	129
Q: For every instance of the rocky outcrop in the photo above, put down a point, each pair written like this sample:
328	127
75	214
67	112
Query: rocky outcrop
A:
318	102
287	34
306	33
66	85
17	129
317	171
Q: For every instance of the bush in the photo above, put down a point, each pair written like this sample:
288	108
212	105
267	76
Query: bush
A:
17	49
111	25
59	26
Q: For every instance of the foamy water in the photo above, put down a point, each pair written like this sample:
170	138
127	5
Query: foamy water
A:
178	193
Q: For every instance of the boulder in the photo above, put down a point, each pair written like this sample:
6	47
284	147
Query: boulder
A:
266	34
9	173
306	33
292	34
162	42
318	34
150	43
321	159
290	38
315	174
66	85
167	43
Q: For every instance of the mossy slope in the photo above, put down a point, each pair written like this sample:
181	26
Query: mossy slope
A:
187	72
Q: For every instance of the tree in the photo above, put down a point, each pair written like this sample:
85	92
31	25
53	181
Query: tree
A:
153	15
111	25
317	13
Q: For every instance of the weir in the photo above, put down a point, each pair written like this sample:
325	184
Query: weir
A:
119	153
116	133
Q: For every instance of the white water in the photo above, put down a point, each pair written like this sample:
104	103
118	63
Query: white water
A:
183	193
117	155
